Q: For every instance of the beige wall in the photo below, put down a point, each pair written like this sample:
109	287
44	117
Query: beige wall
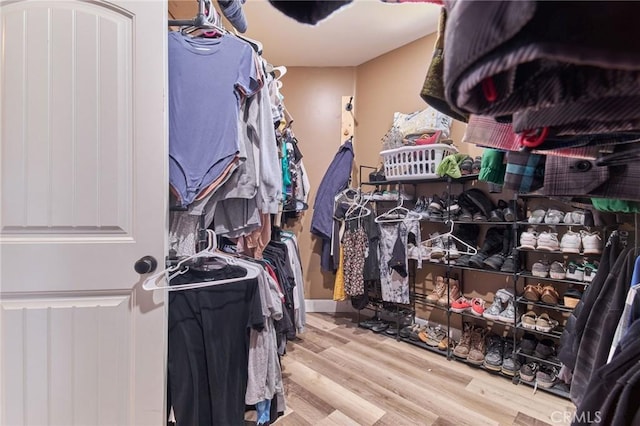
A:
313	96
382	86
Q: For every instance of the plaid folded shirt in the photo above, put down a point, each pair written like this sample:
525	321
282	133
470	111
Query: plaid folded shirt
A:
525	171
486	132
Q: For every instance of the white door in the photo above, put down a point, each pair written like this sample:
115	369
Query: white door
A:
83	180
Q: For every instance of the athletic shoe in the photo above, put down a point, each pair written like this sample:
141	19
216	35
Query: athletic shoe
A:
540	269
528	239
493	313
575	271
528	371
590	271
477	306
553	216
461	305
548	241
558	271
508	315
495	353
571	242
510	363
437	246
505	294
591	242
546	376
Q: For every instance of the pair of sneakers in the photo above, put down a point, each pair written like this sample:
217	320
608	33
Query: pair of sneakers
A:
587	242
474	306
546	240
582	271
497	311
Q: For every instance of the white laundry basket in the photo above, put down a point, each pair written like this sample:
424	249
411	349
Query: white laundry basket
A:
414	162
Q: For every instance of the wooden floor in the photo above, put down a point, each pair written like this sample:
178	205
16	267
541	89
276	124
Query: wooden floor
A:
339	374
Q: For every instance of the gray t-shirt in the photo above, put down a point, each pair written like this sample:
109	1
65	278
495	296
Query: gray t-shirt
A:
207	80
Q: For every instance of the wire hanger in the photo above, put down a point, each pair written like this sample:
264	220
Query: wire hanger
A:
470	249
151	283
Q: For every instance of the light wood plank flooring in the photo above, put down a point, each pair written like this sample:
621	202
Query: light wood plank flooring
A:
339	374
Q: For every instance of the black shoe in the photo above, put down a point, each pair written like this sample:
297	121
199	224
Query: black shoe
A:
509	264
545	349
496	261
528	344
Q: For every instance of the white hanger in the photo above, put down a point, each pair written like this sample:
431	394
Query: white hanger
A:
151	283
470	249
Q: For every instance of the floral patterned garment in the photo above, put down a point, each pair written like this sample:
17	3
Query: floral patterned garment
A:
355	245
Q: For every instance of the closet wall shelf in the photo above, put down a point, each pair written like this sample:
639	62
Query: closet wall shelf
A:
554	334
560	308
529	275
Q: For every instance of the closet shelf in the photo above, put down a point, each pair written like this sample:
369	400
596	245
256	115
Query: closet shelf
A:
422	299
554	390
469	268
543	305
525	223
445	179
528	275
538	359
481	318
554	334
421	344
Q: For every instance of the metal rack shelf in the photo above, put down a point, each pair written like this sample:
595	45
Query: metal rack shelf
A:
529	275
538	359
554	334
445	179
543	305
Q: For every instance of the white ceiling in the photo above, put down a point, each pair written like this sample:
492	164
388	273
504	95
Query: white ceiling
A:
350	36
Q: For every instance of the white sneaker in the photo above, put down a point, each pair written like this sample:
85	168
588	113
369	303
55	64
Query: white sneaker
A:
553	216
437	246
571	242
540	269
548	241
575	271
574	218
591	242
558	271
529	239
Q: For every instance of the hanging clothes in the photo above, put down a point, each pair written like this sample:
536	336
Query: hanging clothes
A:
392	249
335	179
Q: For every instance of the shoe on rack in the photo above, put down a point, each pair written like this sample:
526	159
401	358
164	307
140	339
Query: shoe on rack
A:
446	343
437	203
465	215
479	217
549	295
439	291
478	347
405	332
495	353
558	271
505	294
435	335
466	166
496	261
591	242
576	217
511	262
540	269
528	320
415	332
590	271
545	324
464	345
463	260
437	246
575	271
477	306
477	165
379	328
571	298
532	292
508	315
451	249
553	216
462	304
528	344
544	349
537	216
510	363
512	212
548	241
546	376
497	215
529	239
493	242
571	242
368	324
493	312
454	293
528	371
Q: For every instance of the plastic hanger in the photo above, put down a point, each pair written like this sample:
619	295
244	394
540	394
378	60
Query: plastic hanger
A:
151	283
470	249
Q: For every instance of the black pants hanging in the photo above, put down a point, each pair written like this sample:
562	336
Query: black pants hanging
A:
208	351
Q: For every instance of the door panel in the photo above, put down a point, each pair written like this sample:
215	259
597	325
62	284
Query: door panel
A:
83	165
